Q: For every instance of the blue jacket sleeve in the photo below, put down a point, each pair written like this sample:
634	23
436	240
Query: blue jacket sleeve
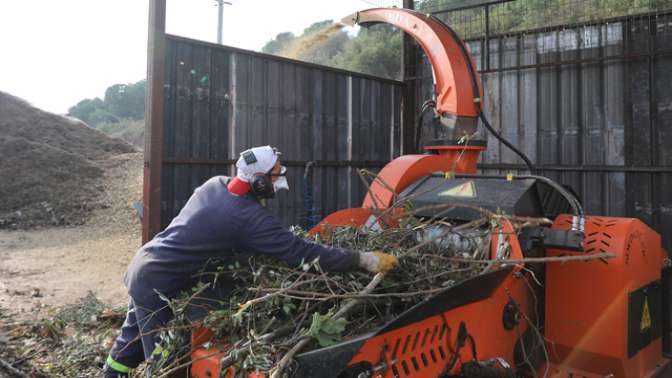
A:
264	234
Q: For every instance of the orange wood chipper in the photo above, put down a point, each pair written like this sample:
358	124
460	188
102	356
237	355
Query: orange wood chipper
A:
597	318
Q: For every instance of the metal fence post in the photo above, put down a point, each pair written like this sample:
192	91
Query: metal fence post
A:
156	47
486	45
409	64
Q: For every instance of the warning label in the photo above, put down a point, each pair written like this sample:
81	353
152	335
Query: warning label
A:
644	316
645	324
465	190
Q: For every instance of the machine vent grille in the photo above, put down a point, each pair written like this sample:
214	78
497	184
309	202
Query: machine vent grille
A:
599	233
599	238
420	350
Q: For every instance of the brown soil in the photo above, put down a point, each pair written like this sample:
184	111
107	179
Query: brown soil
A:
53	267
51	166
58	171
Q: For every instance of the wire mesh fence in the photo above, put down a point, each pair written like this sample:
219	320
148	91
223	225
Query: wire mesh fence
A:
383	3
476	18
582	87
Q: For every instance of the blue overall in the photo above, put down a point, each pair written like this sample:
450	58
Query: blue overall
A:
213	226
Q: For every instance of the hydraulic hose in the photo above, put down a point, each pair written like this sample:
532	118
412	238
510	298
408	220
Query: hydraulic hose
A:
477	99
308	202
418	130
504	141
577	208
578	220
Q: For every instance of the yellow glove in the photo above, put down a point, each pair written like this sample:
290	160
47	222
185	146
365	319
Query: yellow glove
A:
377	262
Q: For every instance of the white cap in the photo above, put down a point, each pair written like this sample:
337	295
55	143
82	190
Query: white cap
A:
256	160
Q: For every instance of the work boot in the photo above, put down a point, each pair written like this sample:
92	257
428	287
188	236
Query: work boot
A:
108	372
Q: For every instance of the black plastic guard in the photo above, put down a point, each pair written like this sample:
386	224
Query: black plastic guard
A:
331	361
644	317
666	301
472	290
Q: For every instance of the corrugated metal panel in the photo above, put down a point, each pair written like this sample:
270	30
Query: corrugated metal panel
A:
568	98
220	101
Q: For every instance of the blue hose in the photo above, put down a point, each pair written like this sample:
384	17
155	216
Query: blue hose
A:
311	218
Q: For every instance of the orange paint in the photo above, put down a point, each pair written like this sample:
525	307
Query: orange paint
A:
587	302
398	174
454	88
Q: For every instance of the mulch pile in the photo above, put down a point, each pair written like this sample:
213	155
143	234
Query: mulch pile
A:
50	166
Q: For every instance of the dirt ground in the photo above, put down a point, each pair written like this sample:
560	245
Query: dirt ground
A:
40	269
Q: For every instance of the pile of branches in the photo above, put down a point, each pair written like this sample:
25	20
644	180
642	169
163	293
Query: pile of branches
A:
277	310
72	341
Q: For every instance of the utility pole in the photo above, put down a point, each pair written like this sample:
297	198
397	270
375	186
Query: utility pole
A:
220	19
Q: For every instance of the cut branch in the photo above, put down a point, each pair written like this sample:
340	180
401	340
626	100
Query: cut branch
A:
9	367
287	358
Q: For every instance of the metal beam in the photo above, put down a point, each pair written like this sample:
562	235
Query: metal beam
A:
154	103
381	163
289	163
277	58
449	9
409	109
605	59
579	168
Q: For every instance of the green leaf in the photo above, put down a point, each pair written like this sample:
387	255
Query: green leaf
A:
288	307
325	330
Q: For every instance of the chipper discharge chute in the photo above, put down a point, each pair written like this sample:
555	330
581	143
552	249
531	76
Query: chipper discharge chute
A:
603	312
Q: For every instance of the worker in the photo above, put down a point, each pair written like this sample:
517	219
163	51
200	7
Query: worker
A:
222	217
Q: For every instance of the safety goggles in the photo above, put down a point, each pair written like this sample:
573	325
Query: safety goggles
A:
283	172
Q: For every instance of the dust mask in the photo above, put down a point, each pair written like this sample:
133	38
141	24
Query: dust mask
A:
280	183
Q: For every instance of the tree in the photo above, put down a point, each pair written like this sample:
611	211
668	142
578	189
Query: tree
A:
101	115
320	42
325	52
85	108
122	101
278	43
375	50
317	26
126	100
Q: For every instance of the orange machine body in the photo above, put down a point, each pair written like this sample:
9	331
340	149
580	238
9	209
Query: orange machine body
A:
424	348
404	170
604	317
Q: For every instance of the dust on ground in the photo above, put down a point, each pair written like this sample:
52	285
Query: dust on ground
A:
57	266
67	232
61	291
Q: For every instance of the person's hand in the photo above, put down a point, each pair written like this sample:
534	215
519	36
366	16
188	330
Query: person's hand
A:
377	262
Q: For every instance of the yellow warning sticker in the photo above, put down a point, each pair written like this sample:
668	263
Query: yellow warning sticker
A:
465	190
646	317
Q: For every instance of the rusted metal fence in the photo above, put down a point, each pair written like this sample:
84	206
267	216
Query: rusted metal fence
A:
220	101
217	101
588	101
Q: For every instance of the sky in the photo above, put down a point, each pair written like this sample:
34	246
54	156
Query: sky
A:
56	53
